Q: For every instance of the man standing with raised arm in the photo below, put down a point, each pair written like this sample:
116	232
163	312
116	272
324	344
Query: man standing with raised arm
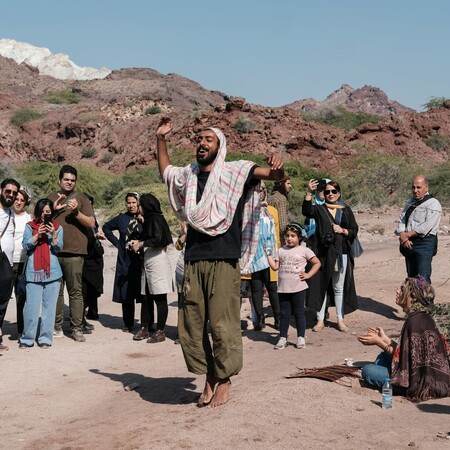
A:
219	201
417	229
73	211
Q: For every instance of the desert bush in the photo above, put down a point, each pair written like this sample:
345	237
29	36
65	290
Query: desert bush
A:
439	142
373	180
88	152
152	110
439	182
66	96
434	102
341	117
43	178
244	125
22	115
107	158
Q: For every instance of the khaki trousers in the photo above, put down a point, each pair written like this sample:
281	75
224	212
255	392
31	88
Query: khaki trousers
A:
72	269
211	294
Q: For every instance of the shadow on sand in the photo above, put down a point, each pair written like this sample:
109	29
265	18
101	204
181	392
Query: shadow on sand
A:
435	409
168	391
370	305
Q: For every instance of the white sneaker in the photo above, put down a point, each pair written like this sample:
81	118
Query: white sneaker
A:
282	343
58	333
300	342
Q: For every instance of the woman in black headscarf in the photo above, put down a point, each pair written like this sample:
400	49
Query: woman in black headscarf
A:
154	240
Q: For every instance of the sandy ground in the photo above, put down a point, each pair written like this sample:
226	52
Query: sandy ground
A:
72	396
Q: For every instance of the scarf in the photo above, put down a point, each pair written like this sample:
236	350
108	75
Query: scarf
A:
132	229
41	253
214	213
420	363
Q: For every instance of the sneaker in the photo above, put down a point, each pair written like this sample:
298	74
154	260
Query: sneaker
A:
86	330
300	342
157	336
24	346
141	334
58	333
78	336
44	346
282	343
88	326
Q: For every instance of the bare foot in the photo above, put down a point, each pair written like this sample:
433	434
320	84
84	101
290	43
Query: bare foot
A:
208	391
222	393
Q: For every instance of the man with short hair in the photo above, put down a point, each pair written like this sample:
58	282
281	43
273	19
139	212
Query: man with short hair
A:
221	205
8	193
417	229
73	211
279	199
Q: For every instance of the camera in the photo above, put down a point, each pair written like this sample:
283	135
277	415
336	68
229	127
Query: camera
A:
327	239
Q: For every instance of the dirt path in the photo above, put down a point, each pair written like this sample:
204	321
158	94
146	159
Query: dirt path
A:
72	396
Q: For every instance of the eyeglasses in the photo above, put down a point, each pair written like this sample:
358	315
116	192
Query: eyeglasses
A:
330	191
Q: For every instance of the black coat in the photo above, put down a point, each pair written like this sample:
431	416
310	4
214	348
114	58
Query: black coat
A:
321	283
127	280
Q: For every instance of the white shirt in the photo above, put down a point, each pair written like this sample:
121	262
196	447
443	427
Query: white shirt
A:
7	241
19	252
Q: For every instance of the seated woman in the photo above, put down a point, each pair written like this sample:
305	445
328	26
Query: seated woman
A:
418	365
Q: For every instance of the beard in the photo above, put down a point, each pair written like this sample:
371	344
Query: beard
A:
6	202
206	160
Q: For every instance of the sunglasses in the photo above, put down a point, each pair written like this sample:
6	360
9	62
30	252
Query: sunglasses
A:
330	191
10	192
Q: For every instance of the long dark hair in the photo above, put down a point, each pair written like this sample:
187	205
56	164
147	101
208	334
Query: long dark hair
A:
156	232
40	205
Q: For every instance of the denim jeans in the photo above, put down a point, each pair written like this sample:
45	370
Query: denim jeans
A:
418	259
45	294
376	374
338	281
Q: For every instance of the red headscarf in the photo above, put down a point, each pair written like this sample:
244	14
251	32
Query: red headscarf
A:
41	251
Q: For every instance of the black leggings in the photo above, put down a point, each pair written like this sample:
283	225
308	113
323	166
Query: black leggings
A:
292	303
257	283
162	310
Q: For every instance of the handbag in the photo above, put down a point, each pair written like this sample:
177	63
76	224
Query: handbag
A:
21	282
357	249
6	270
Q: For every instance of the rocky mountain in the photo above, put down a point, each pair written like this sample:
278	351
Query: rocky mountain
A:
367	99
113	121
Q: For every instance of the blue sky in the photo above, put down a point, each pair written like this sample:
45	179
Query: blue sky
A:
270	52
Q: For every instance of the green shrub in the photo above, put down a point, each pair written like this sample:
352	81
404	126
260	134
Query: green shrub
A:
88	152
341	117
66	96
107	158
434	102
439	182
439	142
244	125
43	178
22	115
152	110
373	180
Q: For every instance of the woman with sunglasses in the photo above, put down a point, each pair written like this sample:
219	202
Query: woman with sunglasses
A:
336	228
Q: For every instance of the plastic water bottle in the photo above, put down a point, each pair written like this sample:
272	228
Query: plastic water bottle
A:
386	392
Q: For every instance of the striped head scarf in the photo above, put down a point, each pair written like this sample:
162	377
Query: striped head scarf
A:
214	213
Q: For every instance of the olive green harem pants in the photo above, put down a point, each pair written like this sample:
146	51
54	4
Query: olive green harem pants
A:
211	293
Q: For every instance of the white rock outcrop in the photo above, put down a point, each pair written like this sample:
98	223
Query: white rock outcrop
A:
57	65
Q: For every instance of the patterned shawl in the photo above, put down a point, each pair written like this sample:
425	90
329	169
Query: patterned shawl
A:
214	213
420	364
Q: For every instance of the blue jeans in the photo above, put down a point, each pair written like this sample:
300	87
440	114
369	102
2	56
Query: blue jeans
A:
45	294
376	374
418	259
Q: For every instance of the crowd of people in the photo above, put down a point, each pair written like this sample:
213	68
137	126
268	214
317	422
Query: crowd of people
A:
232	230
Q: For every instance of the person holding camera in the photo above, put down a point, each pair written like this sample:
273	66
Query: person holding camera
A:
336	228
42	240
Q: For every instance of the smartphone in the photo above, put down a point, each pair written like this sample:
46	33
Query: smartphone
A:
47	219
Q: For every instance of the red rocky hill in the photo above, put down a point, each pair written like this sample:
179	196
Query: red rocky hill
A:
112	118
